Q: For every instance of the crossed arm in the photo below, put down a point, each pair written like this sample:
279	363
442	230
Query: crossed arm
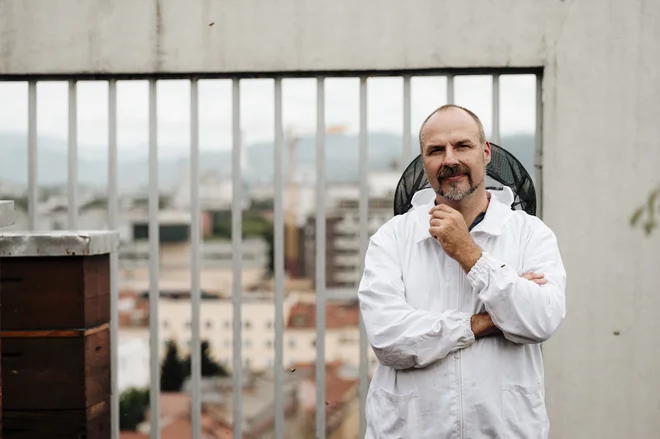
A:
525	309
482	324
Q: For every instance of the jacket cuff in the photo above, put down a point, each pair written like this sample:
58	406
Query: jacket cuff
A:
479	275
468	337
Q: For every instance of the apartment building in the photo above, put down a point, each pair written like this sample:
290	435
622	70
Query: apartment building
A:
342	240
258	330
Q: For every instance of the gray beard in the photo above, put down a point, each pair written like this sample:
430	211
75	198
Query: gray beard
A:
456	193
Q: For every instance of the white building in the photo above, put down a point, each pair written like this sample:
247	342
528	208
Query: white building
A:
133	356
215	193
258	331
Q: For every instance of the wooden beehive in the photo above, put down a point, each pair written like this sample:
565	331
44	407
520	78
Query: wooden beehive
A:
54	326
6	219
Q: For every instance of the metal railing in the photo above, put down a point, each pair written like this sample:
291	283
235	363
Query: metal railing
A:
408	152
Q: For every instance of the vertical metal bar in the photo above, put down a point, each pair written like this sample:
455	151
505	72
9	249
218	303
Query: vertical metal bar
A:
33	195
496	109
114	260
320	258
72	205
279	264
364	232
538	140
450	89
112	154
407	137
154	265
195	247
237	258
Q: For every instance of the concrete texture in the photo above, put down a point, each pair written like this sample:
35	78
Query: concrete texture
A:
29	244
601	100
6	213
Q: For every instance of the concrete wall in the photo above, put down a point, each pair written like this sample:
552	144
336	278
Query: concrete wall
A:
601	104
42	36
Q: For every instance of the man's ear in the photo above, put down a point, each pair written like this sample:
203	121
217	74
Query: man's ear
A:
487	155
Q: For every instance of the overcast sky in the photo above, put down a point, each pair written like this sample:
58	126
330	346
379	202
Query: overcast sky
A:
385	108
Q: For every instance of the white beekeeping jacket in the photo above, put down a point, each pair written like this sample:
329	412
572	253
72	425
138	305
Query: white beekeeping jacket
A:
434	380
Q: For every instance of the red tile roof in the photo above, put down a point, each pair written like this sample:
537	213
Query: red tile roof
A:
303	316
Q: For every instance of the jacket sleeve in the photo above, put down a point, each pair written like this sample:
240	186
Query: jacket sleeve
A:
524	311
403	337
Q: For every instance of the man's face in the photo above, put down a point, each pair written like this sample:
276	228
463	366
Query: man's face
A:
454	161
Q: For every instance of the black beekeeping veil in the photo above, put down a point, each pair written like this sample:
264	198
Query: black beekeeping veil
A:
503	170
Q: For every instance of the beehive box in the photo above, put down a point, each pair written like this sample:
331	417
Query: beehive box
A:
54	326
6	219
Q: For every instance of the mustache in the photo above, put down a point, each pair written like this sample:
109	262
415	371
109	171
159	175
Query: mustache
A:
452	171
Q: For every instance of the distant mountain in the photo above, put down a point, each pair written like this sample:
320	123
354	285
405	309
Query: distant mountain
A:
341	157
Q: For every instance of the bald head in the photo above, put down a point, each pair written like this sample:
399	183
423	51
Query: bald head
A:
455	108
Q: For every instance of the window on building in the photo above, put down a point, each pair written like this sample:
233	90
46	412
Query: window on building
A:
247	324
209	324
292	343
269	344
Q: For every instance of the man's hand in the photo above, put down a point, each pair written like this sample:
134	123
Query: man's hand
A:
537	278
483	326
449	228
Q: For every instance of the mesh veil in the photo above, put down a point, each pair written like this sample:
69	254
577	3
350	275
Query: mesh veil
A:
503	169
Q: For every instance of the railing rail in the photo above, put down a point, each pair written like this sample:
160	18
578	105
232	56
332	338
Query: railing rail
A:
409	151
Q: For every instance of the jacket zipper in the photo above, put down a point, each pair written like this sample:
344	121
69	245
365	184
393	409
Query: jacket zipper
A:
458	356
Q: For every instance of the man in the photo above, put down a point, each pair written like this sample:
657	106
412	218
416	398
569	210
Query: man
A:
456	314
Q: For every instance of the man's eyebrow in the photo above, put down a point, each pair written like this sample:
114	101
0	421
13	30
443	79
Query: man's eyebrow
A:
431	146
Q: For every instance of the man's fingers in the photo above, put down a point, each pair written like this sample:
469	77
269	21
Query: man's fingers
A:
441	208
439	214
530	275
435	222
537	278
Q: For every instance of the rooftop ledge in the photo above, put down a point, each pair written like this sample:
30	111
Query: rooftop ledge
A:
61	243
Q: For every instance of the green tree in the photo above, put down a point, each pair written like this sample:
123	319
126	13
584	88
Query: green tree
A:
133	403
210	367
645	215
171	370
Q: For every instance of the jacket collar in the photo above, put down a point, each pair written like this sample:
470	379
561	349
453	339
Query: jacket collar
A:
498	213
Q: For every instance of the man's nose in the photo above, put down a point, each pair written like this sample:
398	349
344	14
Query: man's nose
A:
450	157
